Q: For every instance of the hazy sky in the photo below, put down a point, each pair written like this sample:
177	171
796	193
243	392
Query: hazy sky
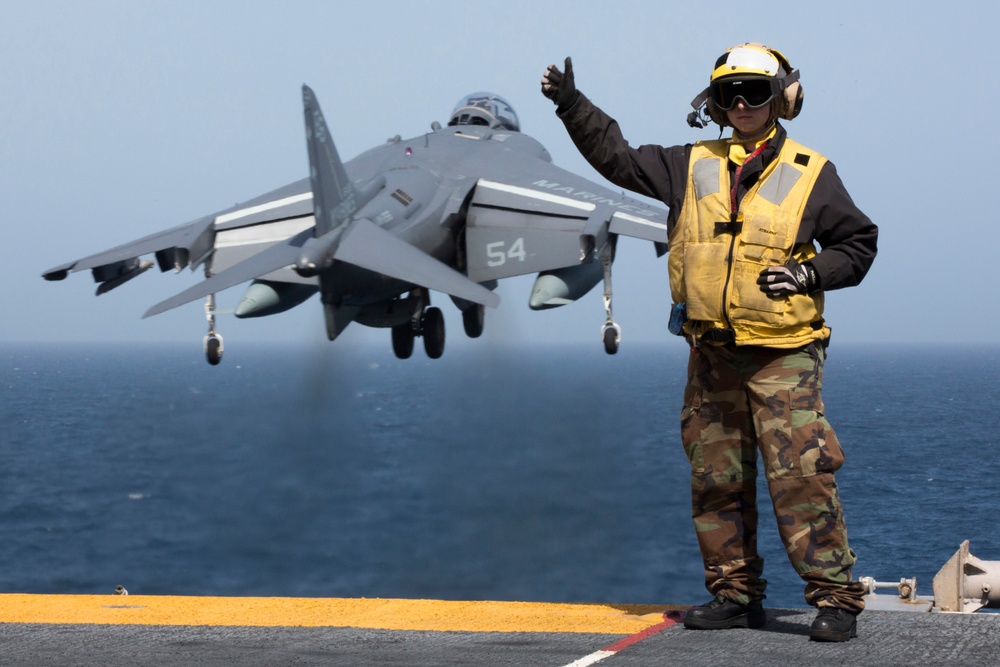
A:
120	119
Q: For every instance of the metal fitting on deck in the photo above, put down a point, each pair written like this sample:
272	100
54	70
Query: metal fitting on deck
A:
906	588
966	584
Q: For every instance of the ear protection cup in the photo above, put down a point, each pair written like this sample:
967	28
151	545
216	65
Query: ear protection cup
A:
792	96
791	101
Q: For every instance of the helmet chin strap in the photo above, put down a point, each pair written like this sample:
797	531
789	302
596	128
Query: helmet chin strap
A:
738	138
757	136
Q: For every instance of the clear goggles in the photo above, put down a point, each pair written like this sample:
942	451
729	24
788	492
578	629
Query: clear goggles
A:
755	91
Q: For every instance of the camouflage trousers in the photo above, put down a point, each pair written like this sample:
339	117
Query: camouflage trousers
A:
743	400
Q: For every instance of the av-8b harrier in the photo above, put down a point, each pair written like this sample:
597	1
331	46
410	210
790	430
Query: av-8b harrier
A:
452	211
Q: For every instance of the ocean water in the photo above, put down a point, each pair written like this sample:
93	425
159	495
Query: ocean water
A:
549	474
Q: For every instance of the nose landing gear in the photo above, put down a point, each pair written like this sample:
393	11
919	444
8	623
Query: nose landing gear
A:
427	322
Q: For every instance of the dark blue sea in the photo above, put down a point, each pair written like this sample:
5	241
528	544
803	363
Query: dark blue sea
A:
540	473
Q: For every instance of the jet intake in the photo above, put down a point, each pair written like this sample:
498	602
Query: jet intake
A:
267	297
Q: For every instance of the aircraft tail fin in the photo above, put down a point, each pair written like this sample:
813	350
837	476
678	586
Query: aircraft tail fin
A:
364	243
333	193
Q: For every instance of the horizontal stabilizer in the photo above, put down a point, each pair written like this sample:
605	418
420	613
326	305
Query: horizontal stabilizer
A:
369	246
276	257
640	228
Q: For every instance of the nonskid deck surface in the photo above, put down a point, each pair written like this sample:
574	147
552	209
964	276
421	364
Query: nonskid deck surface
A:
167	630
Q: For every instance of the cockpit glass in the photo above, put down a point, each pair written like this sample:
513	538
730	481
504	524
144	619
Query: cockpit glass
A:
485	108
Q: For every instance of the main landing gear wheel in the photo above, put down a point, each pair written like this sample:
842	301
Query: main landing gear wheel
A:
402	340
432	329
425	321
473	319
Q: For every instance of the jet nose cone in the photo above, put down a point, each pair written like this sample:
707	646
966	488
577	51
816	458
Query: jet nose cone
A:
245	307
258	298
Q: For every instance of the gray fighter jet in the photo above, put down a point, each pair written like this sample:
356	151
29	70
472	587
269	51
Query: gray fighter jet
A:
453	211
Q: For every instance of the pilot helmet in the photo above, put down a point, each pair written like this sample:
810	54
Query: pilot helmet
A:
487	109
754	73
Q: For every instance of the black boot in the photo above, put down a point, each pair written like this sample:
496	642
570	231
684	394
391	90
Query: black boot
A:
720	614
834	624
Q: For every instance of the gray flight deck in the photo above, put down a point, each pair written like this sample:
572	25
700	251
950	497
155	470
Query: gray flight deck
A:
885	638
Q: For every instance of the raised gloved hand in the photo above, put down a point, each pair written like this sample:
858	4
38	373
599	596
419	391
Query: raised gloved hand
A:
792	278
560	86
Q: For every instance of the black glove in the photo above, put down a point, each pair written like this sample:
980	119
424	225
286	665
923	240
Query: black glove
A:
793	278
560	86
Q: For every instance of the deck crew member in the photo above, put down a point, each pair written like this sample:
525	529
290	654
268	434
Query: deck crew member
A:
747	281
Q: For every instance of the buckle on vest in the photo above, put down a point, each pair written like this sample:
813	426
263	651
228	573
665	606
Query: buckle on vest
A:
719	336
729	227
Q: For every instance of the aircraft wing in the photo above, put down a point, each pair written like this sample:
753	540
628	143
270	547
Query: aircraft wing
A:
549	218
173	247
227	237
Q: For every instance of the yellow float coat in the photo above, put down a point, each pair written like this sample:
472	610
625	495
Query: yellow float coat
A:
715	257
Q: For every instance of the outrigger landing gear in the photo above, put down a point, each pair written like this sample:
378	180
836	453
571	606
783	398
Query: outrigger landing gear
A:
610	332
473	319
213	340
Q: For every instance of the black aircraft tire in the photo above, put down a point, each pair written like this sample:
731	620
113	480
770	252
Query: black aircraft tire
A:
473	319
213	351
610	340
402	341
433	332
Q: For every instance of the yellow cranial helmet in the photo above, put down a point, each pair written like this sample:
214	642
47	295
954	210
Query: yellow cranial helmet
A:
751	58
755	74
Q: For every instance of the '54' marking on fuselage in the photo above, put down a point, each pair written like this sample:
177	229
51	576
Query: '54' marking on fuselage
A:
499	252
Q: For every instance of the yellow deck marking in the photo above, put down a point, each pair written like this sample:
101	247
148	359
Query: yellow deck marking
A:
376	613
